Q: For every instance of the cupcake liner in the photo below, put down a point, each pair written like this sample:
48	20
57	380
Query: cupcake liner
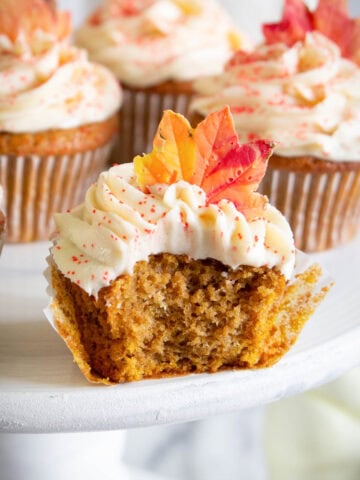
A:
37	186
323	208
140	115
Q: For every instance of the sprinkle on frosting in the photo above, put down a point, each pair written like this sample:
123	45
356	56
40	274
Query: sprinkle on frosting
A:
194	194
330	18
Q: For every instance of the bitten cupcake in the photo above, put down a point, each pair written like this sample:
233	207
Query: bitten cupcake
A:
302	89
58	117
156	48
174	264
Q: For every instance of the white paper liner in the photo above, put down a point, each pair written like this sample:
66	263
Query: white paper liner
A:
322	208
302	263
36	186
139	116
50	292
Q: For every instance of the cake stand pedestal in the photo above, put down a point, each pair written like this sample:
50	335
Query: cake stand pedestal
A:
42	391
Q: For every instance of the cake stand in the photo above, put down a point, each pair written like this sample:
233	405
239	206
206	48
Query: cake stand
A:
42	390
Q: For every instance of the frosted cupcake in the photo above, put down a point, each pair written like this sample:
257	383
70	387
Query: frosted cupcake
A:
58	117
175	265
301	89
156	48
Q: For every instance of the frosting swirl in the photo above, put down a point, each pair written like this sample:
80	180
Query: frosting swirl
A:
46	84
147	42
306	97
119	225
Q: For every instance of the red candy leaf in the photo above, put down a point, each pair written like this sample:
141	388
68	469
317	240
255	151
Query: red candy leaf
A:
330	18
296	21
241	170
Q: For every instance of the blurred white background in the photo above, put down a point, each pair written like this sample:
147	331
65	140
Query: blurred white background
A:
248	14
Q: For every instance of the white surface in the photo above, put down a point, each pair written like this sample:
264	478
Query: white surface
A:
316	436
63	456
43	391
84	456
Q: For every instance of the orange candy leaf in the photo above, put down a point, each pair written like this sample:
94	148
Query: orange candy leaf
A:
214	137
251	204
27	16
173	156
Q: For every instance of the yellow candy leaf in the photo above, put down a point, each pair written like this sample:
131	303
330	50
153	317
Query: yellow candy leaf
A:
173	156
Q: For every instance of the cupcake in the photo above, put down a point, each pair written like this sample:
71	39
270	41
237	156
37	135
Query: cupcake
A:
58	117
175	265
301	88
156	48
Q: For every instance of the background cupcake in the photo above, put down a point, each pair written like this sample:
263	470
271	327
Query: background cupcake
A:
156	48
58	117
299	89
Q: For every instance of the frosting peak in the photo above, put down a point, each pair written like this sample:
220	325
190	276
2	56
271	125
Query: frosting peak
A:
146	42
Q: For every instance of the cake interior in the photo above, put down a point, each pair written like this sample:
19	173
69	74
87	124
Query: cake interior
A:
175	315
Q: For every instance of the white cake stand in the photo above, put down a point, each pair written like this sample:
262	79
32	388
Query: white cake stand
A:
42	391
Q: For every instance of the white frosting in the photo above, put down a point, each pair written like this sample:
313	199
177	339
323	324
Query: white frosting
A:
306	97
119	225
49	85
160	40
